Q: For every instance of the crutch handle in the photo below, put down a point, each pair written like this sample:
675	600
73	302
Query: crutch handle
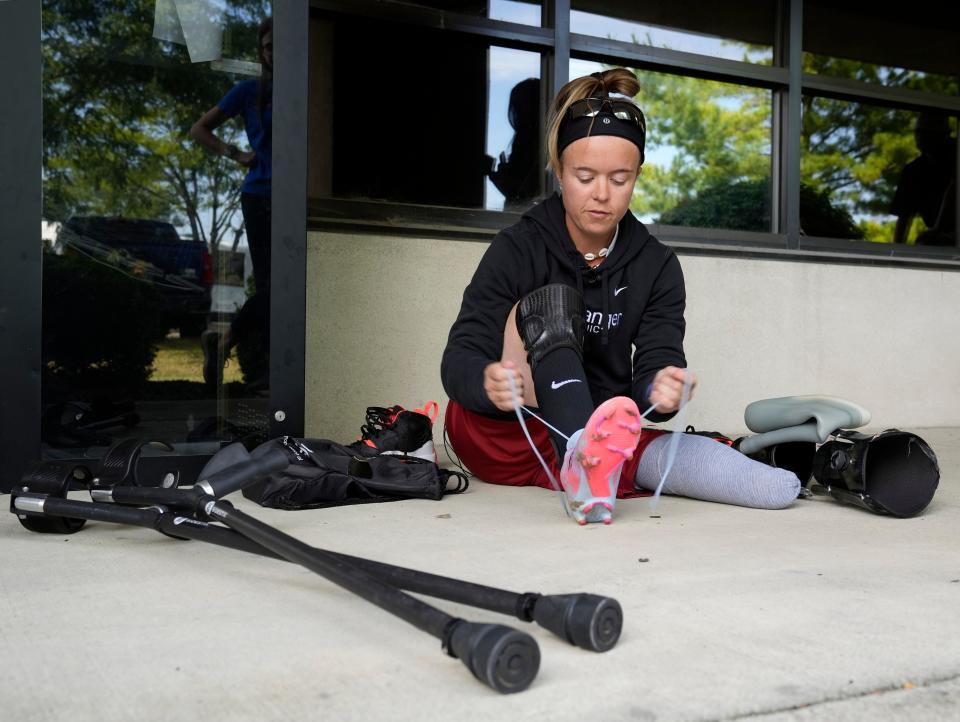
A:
236	477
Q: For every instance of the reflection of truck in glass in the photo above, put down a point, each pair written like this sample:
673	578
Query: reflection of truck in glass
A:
152	251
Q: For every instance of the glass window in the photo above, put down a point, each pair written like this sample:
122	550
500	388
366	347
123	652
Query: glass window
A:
462	133
525	13
708	152
895	45
878	174
154	240
742	32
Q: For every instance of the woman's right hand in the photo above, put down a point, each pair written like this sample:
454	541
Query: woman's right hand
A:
497	386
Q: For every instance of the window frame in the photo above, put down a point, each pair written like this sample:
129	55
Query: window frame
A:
784	78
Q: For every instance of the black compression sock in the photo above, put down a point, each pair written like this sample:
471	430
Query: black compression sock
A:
562	392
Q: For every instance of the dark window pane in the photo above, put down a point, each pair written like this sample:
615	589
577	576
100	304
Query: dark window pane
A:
913	46
708	152
742	31
462	129
878	174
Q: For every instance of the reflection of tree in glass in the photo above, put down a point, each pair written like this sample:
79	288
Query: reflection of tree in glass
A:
117	105
855	152
745	206
719	134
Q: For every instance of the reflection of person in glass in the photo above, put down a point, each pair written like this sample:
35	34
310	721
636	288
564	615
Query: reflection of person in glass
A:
579	311
517	177
927	184
252	101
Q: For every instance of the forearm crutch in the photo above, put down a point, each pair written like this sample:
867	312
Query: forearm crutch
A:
505	659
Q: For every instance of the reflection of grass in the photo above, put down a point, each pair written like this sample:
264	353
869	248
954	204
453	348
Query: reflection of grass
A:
181	359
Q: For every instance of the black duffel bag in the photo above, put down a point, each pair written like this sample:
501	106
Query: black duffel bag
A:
324	473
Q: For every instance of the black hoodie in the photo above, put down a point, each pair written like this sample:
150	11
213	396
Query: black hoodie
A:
635	298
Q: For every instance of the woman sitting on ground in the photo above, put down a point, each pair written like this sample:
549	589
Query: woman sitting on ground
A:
578	311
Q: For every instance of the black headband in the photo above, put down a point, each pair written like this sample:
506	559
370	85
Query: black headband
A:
603	123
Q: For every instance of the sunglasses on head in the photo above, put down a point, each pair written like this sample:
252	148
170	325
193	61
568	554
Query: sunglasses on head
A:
622	109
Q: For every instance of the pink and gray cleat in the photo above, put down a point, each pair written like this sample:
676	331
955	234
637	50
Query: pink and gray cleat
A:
591	467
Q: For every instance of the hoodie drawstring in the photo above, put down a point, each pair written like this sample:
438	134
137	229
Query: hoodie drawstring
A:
604	332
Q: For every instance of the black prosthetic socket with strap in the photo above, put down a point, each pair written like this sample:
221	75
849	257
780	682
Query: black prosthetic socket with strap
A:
894	472
550	321
549	318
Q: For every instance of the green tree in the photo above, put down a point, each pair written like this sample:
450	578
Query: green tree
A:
720	134
117	107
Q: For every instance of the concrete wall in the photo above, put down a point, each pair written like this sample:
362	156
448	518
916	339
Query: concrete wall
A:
379	309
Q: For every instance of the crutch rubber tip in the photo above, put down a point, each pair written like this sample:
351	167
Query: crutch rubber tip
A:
501	657
588	621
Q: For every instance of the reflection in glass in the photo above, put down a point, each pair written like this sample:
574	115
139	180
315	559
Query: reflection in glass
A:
887	75
525	13
515	171
425	141
884	175
894	45
144	244
743	32
708	152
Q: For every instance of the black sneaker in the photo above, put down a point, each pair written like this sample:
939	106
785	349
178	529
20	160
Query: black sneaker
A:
396	430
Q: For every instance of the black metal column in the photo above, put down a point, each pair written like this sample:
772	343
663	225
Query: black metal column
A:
289	219
21	207
791	140
554	68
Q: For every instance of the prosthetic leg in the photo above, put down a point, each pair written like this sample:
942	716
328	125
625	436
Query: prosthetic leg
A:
894	472
552	318
790	428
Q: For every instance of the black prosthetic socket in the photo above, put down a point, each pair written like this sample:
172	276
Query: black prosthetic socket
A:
893	472
795	456
549	318
550	321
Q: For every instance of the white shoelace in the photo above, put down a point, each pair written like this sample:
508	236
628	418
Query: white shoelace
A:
671	451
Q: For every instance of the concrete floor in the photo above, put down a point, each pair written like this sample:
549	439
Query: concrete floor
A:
818	612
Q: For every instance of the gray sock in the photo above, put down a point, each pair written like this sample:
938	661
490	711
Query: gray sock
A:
708	470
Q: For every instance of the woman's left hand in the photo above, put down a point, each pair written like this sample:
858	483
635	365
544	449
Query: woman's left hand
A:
667	388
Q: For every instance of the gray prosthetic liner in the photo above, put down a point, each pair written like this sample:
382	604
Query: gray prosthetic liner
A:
549	318
799	418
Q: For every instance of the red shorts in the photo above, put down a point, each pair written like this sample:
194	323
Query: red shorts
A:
497	451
